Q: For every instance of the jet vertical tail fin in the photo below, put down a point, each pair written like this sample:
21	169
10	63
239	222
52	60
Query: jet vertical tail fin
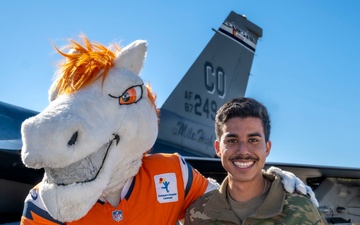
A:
219	74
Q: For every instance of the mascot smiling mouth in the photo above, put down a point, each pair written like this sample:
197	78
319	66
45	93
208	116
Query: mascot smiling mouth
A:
89	167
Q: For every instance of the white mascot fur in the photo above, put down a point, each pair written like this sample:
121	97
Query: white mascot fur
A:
94	134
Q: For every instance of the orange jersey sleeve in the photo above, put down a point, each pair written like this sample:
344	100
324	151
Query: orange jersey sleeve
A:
196	185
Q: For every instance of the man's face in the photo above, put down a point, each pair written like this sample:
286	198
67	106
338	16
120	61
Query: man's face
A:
242	148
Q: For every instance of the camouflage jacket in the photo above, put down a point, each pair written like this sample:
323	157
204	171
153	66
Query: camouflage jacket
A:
278	208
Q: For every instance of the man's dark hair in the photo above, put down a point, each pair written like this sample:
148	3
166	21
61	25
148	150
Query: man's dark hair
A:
243	108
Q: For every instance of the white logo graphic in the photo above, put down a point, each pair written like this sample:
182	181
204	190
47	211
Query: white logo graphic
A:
166	187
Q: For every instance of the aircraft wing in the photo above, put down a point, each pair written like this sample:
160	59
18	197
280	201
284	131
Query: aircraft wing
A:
11	118
15	179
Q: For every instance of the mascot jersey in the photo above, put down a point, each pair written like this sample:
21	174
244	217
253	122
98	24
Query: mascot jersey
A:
159	194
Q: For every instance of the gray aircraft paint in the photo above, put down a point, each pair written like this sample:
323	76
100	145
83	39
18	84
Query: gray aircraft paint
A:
219	74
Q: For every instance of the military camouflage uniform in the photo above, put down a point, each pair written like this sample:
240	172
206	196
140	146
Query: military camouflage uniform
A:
278	208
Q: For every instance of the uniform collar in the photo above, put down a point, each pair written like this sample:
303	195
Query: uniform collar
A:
219	208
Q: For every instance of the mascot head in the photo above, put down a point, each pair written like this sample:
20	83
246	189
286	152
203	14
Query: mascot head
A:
92	136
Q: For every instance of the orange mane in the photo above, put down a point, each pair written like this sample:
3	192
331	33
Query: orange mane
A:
84	65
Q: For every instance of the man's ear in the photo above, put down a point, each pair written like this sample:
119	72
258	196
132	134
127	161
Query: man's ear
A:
217	148
268	147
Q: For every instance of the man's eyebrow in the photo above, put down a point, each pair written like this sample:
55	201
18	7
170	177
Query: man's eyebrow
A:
230	135
255	134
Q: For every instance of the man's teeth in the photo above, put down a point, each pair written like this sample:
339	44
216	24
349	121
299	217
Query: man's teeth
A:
243	164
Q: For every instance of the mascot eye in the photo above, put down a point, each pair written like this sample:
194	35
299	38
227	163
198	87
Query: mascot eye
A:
131	95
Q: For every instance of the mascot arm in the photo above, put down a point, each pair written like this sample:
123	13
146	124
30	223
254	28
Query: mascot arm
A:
212	185
293	184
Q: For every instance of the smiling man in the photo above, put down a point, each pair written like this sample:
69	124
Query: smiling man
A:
248	195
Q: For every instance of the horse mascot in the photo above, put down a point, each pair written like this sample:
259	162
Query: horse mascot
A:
92	141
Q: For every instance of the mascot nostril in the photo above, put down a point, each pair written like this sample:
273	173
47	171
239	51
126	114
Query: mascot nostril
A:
73	139
117	138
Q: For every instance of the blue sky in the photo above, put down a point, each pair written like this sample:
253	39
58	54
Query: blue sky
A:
306	67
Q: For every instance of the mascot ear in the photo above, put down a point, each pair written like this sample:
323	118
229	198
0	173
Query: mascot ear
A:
53	91
132	56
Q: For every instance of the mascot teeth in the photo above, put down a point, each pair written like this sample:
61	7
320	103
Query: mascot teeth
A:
82	171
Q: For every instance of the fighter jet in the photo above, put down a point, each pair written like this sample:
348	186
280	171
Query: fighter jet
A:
220	73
